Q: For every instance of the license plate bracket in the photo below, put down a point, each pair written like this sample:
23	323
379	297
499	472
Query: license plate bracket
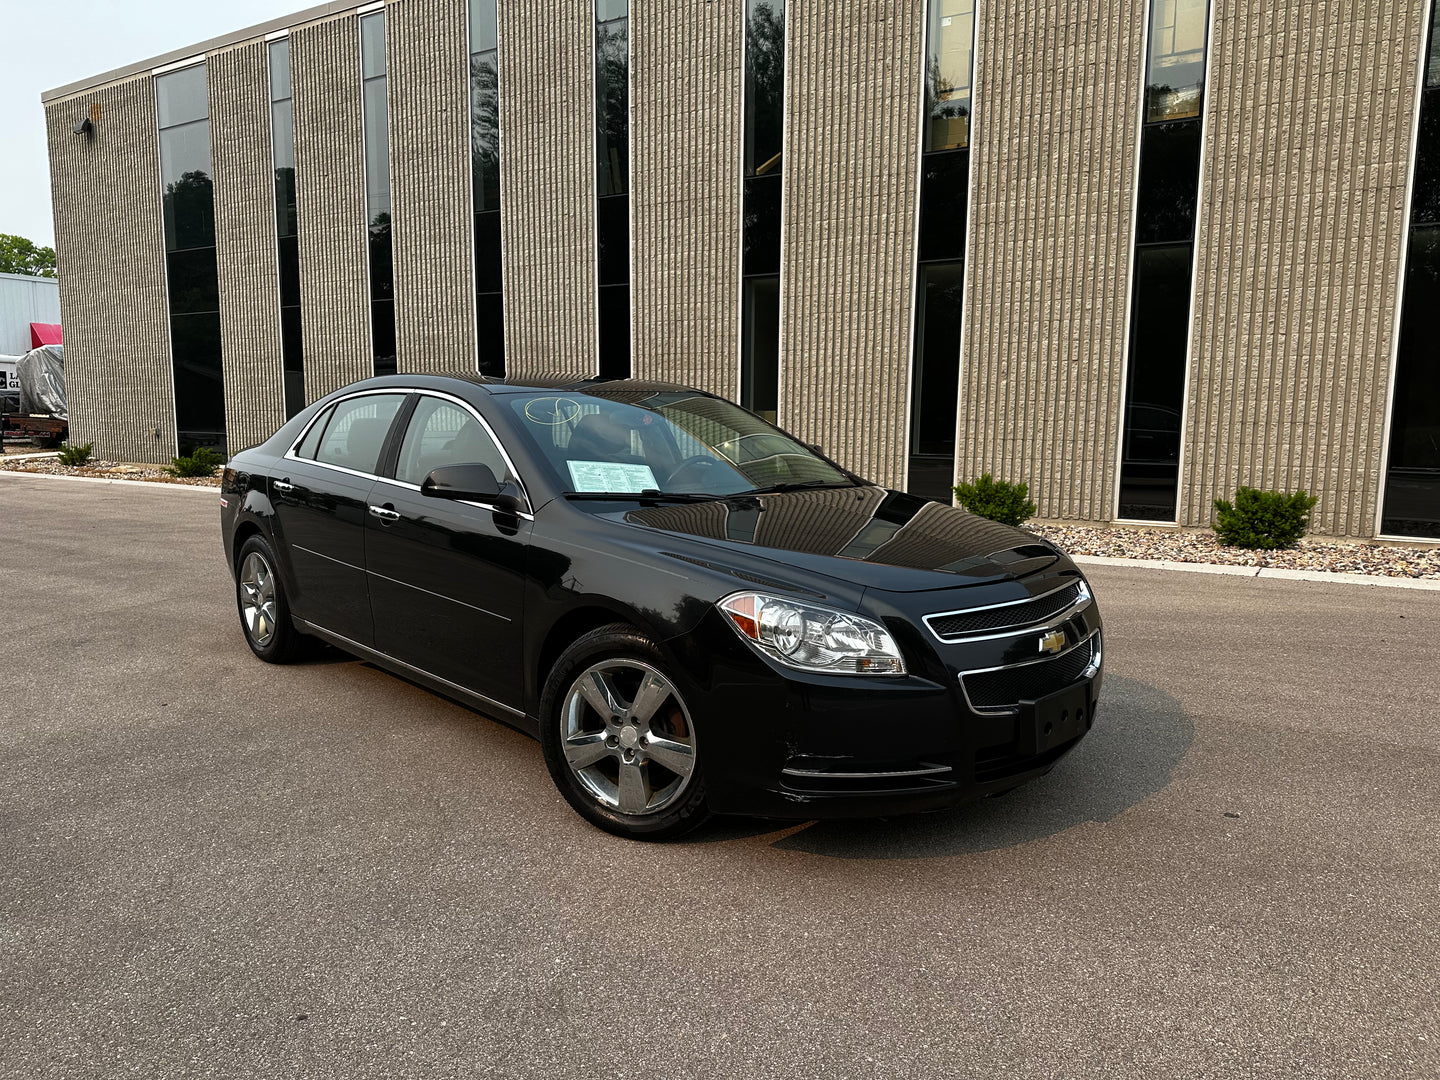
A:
1055	719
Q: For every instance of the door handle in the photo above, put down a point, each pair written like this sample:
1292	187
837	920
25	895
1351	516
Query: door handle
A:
384	513
284	485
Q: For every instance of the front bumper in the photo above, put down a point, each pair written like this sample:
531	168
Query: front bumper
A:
779	743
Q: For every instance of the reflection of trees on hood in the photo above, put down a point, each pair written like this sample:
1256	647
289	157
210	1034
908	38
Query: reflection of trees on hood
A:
485	128
190	210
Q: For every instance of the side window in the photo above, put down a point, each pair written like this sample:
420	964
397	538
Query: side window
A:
311	442
442	433
356	432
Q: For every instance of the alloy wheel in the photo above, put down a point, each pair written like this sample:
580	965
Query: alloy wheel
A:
257	598
627	737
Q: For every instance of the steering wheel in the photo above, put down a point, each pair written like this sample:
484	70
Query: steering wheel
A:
691	471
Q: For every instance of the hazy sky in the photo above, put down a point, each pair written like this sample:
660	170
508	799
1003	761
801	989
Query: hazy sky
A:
48	43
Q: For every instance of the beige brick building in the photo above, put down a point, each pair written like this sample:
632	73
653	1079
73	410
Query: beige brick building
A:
1134	252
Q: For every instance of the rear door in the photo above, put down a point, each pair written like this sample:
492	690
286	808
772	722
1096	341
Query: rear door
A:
446	578
320	494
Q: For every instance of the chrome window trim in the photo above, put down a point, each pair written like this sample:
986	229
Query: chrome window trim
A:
1085	597
528	513
1091	669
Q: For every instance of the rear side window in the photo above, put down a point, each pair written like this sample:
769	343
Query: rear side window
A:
355	433
442	433
311	442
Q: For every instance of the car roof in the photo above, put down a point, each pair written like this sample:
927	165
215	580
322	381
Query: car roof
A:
519	384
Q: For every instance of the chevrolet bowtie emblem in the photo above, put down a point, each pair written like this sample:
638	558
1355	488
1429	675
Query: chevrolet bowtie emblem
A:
1053	642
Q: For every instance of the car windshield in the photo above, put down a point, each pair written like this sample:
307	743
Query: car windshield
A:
671	443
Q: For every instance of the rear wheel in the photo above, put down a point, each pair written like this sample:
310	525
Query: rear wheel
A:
618	737
264	611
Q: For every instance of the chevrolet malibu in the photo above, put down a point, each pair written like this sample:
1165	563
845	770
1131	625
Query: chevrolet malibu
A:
693	611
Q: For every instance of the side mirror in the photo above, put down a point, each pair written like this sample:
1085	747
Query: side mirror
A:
469	482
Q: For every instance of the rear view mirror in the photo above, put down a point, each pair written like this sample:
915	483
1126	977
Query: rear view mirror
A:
473	482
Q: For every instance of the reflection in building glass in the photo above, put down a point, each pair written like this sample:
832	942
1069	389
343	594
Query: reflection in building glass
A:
1176	80
1151	436
485	180
1411	505
192	277
948	73
376	106
282	149
940	259
764	140
612	184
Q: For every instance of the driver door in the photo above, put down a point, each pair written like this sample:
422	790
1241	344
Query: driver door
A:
446	577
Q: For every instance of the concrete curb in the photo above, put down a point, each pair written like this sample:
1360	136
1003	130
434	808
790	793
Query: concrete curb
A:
151	484
32	457
1426	584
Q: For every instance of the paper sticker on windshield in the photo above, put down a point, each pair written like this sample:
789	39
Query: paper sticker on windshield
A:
610	476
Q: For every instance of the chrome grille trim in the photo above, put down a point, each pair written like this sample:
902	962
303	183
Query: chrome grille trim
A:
1083	597
1093	642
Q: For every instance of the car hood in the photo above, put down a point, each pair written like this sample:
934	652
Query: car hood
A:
865	536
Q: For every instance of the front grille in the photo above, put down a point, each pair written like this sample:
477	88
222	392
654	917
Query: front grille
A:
959	624
1005	688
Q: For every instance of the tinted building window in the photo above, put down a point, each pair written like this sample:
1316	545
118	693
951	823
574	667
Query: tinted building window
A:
1175	85
612	182
764	140
192	279
940	269
485	177
1164	248
282	149
947	74
1412	477
377	190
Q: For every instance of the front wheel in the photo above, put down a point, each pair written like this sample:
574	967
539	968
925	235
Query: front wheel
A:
618	738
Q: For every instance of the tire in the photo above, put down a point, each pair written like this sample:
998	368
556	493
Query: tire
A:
632	771
260	600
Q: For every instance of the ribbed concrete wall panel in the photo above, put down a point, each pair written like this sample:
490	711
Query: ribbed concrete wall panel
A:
245	245
547	184
330	202
110	253
427	50
1298	253
852	93
1056	112
686	198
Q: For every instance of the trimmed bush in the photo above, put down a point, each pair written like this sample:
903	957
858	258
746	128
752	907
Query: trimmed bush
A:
997	500
1263	519
72	455
202	462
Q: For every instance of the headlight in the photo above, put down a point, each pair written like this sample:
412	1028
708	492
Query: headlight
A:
812	638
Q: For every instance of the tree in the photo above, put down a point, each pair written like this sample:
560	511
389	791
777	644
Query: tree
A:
21	256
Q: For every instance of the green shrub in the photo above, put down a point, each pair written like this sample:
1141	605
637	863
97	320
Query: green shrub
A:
202	461
997	500
1263	519
72	455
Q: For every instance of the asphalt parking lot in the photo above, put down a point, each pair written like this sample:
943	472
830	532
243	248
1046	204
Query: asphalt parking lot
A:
216	868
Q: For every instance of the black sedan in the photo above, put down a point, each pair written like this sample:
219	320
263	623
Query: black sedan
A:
692	610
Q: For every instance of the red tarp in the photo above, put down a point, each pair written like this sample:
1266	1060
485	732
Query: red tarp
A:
44	334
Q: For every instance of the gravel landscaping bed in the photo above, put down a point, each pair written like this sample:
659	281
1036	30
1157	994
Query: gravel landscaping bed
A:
1384	560
107	470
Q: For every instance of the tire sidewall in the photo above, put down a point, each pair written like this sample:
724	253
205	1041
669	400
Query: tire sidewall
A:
617	641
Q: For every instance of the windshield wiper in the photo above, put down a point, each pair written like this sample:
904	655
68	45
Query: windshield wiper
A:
796	485
648	495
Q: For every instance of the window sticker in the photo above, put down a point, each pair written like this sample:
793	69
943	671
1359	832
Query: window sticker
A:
610	476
